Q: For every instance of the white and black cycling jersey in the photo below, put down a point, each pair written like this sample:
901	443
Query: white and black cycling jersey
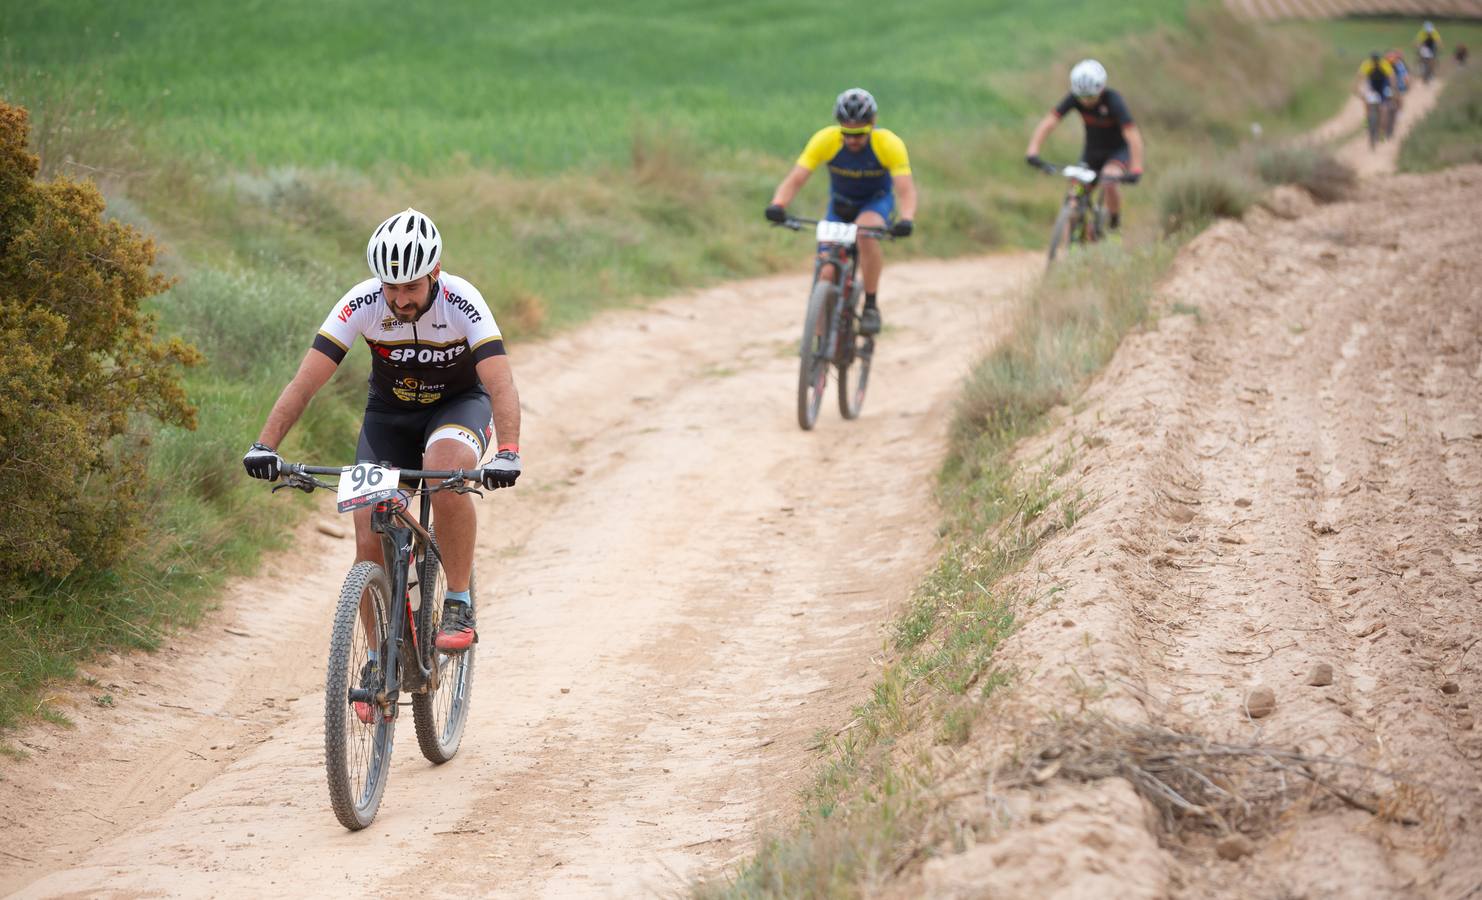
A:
415	364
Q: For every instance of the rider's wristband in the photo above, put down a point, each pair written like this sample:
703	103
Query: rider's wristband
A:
503	447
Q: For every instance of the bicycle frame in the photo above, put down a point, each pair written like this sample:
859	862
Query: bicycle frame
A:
403	540
845	260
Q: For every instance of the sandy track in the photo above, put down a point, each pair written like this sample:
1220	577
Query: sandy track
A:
1291	477
681	591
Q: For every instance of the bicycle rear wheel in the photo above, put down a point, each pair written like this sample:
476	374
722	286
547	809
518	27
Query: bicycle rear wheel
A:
1060	233
813	354
440	715
861	349
357	748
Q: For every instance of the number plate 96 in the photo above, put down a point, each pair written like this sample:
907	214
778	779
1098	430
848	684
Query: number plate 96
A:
365	484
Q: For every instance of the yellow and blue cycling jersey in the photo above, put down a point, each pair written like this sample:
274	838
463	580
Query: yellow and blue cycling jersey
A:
1380	75
858	176
1430	38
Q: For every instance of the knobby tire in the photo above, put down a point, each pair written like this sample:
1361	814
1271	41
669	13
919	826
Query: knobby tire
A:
440	715
1060	233
813	356
357	756
857	348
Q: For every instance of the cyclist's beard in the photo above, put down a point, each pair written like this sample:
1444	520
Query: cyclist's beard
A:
422	308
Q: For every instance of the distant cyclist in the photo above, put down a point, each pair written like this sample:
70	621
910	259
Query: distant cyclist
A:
440	383
1113	143
1396	61
1376	79
1428	44
867	167
1461	54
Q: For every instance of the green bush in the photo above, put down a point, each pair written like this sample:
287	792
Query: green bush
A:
81	364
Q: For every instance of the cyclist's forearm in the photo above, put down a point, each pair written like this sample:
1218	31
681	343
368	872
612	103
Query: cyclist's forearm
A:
504	398
905	189
1041	131
1134	146
790	186
313	372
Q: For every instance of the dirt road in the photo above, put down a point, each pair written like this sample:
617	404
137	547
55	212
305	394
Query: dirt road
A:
1285	492
683	588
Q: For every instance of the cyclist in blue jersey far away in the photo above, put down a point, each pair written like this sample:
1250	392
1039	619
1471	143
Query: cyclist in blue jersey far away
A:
867	167
1113	143
440	390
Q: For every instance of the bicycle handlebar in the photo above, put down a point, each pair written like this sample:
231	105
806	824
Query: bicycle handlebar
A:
796	223
301	476
1050	168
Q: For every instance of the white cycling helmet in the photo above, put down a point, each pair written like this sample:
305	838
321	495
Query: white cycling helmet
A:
406	247
1088	78
1430	26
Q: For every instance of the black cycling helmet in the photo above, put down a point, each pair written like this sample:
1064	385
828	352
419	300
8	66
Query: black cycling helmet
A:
855	105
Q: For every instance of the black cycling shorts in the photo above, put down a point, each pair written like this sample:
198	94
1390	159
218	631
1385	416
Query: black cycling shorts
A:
398	437
1096	161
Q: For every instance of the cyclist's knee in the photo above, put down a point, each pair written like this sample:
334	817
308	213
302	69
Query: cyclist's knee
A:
449	454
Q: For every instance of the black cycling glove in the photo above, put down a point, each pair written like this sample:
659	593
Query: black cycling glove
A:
262	462
502	470
776	213
1034	161
1132	178
903	228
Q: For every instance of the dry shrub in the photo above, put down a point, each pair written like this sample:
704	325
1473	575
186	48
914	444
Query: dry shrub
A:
1195	193
527	310
1314	170
1201	786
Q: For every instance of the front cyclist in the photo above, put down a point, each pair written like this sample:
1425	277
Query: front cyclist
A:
1376	80
867	166
438	371
1113	143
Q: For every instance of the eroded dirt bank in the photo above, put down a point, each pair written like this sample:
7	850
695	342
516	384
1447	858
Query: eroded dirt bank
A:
682	589
1287	474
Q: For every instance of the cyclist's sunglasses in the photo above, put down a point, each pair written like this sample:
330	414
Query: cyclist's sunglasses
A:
856	130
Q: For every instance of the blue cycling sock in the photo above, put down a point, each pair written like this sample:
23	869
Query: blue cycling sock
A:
372	655
457	597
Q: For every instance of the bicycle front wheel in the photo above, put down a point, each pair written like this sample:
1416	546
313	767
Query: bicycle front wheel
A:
814	354
859	349
1060	233
441	713
357	731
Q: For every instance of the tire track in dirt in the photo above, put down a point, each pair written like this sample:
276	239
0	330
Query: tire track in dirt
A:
681	589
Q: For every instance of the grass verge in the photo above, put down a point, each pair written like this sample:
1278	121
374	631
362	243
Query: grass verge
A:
1452	134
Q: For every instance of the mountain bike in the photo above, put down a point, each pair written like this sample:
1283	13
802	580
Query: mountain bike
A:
1427	63
1082	217
397	611
830	326
1380	117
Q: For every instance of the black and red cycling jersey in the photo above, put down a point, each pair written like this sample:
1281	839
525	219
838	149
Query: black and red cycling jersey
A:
1104	121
